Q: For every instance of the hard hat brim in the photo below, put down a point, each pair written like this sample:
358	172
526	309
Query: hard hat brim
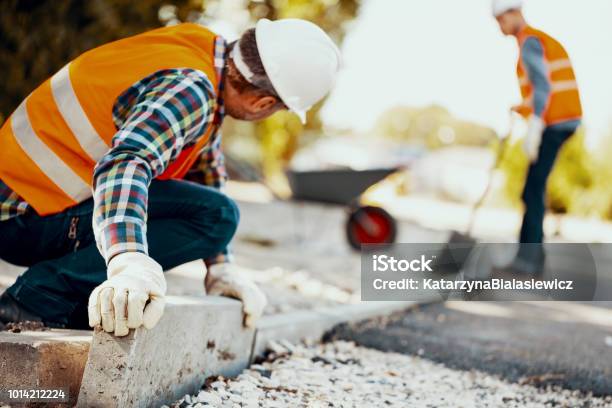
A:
261	34
301	115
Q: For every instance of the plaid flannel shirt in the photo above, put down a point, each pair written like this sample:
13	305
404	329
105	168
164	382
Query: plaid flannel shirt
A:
156	118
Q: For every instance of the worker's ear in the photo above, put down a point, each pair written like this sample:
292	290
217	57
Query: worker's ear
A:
264	103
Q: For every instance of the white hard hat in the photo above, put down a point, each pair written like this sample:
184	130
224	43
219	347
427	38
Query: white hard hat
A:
300	60
499	7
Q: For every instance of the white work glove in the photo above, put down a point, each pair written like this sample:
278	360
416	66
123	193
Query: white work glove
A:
226	279
120	302
531	144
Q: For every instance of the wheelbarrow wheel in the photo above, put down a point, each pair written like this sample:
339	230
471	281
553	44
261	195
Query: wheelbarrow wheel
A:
370	225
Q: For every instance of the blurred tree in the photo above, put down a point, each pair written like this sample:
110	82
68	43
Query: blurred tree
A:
572	177
37	37
432	127
580	183
596	199
514	168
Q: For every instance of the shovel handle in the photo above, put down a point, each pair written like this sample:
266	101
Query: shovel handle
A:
501	152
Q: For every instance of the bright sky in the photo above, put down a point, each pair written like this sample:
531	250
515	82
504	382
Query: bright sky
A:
449	52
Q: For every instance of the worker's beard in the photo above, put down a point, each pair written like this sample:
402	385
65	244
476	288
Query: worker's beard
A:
237	112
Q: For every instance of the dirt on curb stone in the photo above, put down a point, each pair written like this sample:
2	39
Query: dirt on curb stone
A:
18	327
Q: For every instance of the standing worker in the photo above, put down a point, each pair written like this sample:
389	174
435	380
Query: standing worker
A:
91	196
551	105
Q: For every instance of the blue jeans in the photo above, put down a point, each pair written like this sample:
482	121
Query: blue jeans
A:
186	222
534	193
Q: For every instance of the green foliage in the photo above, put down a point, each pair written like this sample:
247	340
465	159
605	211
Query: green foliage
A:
580	183
432	127
330	15
572	178
279	139
39	37
514	166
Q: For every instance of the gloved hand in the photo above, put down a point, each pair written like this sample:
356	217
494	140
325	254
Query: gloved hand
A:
120	302
226	279
531	144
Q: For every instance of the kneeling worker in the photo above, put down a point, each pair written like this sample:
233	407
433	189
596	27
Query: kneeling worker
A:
551	105
91	166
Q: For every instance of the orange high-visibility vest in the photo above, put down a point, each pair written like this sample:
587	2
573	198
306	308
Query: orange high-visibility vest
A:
51	143
564	102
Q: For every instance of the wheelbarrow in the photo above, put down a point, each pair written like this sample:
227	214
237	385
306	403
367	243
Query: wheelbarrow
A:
365	224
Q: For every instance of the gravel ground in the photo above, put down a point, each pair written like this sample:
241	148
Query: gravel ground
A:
340	374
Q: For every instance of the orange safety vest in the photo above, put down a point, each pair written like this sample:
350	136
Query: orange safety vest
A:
53	140
564	102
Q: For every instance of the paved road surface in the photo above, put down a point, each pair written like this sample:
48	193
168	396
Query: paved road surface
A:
568	344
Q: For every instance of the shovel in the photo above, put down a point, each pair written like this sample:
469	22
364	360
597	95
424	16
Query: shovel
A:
460	245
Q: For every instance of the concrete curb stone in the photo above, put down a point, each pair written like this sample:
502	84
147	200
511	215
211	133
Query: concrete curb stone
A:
47	359
197	337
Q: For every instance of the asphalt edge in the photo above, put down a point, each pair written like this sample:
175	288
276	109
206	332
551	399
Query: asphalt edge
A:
302	325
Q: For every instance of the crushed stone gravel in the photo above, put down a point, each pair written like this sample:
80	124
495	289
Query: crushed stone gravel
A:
341	374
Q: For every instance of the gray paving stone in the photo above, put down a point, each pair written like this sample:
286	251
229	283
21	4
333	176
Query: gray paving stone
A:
196	337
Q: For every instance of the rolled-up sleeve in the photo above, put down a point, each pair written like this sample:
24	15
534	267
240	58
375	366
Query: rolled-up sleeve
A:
534	61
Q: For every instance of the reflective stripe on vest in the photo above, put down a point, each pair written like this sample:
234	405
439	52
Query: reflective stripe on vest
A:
563	86
76	119
559	64
556	85
45	158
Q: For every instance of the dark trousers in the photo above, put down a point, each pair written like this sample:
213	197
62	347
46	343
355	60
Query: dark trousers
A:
532	229
186	222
